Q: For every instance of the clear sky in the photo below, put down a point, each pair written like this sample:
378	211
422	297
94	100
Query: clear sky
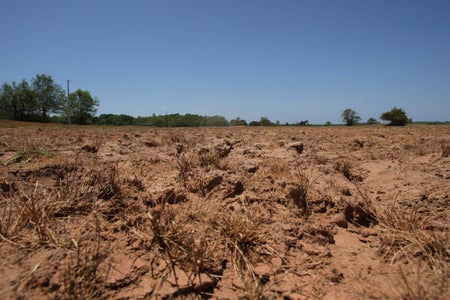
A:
289	60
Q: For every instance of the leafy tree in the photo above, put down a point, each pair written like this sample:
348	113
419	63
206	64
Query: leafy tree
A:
8	101
49	96
116	120
396	116
27	102
177	120
18	101
265	122
216	121
82	107
372	121
238	122
42	99
350	117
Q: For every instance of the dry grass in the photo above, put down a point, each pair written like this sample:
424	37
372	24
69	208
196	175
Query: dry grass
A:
418	281
410	234
87	269
243	235
182	249
411	237
28	210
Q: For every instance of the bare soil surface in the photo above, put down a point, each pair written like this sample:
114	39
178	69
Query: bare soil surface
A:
224	213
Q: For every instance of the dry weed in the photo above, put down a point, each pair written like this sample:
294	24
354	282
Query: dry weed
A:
244	239
31	210
410	234
243	236
412	238
182	248
177	137
87	270
185	166
418	281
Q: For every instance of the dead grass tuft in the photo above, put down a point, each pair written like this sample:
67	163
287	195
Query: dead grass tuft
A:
410	234
28	210
182	248
411	237
242	235
417	281
87	270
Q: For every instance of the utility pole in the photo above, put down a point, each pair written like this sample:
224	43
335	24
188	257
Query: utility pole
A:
68	102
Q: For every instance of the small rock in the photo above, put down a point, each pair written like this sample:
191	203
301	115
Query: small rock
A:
340	221
297	146
237	190
262	270
251	168
151	144
214	182
90	148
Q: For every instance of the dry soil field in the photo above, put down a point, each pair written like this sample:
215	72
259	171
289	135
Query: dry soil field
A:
224	213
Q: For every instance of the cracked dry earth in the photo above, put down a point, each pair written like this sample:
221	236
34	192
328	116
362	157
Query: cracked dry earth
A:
224	213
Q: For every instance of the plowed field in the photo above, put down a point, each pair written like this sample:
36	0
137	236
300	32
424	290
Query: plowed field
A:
224	213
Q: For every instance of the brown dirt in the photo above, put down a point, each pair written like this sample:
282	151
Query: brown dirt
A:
224	213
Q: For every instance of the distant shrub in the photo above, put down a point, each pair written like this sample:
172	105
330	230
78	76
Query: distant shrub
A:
372	121
396	116
350	117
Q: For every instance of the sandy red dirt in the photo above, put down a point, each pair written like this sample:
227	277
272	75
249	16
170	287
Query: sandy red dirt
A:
224	213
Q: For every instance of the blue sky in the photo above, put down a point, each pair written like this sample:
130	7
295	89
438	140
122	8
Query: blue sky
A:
288	60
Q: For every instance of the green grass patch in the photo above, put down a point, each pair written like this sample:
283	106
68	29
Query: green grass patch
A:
27	155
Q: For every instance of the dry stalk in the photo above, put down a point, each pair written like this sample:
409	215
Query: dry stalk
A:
35	210
182	249
87	269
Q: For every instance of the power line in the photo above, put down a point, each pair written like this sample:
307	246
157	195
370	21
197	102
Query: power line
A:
20	62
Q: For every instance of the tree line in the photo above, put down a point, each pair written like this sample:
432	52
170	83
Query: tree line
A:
396	117
177	120
168	120
43	100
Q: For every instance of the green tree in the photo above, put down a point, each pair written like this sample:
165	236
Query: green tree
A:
18	101
372	121
116	120
350	117
49	96
82	107
215	121
238	122
396	116
8	101
265	122
27	109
